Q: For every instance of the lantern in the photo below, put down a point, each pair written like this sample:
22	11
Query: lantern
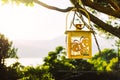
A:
79	43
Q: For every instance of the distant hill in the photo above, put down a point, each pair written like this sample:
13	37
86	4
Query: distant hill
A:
40	48
37	48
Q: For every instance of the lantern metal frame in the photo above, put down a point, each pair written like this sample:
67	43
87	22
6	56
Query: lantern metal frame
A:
79	43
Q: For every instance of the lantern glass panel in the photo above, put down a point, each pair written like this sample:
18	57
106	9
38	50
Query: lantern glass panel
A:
79	44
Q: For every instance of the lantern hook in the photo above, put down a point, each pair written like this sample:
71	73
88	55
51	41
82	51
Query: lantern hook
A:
80	26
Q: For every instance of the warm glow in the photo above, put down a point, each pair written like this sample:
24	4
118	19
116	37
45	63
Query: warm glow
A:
30	23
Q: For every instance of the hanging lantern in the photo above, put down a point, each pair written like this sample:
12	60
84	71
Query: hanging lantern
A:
79	43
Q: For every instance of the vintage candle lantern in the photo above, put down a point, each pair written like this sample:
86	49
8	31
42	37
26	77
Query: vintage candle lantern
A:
79	43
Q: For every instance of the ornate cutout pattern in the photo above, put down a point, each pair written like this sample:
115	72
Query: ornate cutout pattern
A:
80	46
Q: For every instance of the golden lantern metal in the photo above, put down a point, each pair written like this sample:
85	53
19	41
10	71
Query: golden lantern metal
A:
79	42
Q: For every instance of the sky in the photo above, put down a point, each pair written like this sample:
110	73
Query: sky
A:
32	23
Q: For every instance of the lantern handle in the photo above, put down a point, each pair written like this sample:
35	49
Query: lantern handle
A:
80	10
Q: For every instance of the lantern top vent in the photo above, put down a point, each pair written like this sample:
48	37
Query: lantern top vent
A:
79	22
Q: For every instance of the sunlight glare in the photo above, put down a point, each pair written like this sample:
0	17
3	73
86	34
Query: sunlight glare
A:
29	23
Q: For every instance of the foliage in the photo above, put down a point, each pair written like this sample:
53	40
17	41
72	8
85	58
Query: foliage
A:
58	67
8	73
57	62
61	67
35	73
105	61
26	2
17	67
7	51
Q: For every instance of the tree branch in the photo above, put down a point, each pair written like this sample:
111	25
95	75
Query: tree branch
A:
103	25
94	19
114	5
102	9
52	7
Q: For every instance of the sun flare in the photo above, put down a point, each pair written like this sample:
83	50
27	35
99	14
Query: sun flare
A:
29	23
